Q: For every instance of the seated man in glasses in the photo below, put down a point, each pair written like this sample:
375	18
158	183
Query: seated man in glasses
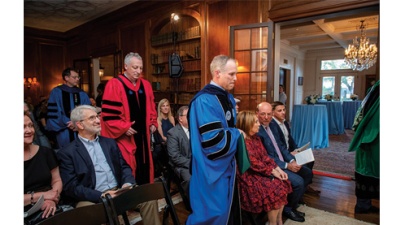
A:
62	100
92	166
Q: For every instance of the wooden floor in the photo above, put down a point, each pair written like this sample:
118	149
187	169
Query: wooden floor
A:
337	196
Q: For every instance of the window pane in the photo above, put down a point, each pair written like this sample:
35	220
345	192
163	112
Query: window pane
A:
337	64
243	58
258	82
346	87
259	60
242	39
242	83
328	86
259	37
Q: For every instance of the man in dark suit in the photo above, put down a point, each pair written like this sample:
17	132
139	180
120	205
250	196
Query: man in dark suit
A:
92	165
178	146
284	137
299	176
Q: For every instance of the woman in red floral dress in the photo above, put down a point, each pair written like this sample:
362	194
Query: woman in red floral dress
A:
264	186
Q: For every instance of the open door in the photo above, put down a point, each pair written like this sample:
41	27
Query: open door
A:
285	80
252	46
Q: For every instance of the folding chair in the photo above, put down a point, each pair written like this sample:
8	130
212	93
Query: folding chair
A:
172	177
147	192
87	215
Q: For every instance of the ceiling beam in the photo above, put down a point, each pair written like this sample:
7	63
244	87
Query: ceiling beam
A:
330	30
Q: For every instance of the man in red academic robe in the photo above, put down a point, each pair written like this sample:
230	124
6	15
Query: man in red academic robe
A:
129	116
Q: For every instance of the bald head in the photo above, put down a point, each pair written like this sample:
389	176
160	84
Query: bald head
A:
264	113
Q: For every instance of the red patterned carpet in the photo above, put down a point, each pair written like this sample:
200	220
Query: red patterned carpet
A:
336	161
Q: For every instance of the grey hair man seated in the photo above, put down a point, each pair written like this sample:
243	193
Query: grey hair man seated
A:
92	165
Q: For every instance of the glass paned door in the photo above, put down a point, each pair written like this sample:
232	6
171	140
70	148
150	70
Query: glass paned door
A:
340	86
346	87
85	72
250	47
328	85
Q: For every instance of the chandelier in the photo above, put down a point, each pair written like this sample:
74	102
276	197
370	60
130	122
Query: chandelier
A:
361	54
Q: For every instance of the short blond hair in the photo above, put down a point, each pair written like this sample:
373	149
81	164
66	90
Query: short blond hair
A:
219	62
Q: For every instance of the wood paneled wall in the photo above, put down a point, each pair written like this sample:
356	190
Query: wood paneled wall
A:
133	40
129	29
44	58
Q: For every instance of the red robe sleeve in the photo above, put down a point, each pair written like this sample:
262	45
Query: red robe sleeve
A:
115	110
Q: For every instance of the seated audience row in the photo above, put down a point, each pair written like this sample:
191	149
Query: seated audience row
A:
258	188
88	168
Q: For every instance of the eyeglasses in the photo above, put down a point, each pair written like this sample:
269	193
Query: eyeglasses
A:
92	118
75	77
183	115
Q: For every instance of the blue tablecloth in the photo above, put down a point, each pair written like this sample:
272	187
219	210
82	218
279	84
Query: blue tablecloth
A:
349	112
310	124
335	116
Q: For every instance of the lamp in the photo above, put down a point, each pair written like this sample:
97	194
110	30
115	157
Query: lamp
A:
174	17
361	54
30	81
101	71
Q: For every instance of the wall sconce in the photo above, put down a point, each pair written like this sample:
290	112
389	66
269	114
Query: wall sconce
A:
101	71
30	81
174	22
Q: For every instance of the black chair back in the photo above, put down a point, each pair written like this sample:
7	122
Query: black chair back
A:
87	215
130	199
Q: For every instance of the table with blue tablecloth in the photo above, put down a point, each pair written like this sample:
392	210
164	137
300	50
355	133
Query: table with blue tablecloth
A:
335	116
310	124
349	112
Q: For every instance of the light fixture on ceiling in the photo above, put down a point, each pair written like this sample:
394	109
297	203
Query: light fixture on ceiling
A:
101	71
361	54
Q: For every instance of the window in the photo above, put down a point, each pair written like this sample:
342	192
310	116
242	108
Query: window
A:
249	46
337	79
346	87
335	64
339	90
328	85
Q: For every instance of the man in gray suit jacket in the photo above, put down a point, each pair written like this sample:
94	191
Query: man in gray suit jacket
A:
179	150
